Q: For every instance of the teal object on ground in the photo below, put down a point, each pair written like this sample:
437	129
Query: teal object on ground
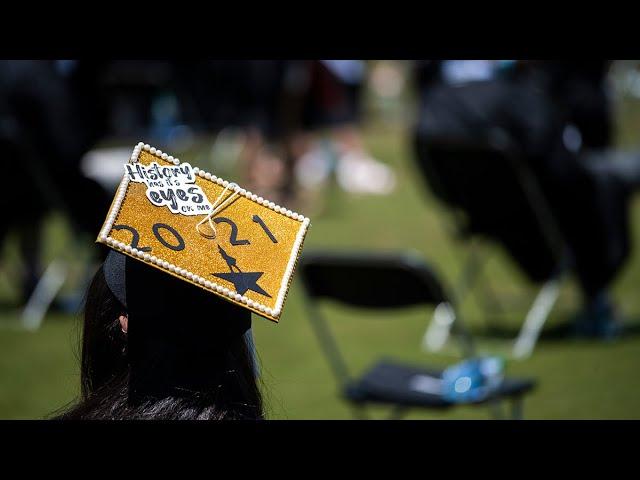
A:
472	380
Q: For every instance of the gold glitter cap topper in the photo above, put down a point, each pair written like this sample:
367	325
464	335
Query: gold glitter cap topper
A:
205	230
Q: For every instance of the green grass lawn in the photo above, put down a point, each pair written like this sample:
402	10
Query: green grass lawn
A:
577	379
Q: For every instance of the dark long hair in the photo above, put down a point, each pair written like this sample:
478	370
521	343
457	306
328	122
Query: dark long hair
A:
105	371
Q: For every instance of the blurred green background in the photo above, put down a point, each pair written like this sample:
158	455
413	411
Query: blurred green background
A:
578	379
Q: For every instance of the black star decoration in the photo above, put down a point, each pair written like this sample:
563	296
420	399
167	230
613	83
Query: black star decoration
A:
242	281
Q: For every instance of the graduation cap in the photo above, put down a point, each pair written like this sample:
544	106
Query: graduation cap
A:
204	231
193	255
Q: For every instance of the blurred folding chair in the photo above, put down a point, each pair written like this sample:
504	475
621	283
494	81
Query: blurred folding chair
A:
387	281
496	196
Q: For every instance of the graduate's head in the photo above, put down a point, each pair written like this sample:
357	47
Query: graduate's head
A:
156	347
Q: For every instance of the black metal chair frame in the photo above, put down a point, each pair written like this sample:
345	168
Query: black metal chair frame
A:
431	292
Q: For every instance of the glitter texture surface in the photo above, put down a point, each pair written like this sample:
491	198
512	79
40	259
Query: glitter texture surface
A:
201	256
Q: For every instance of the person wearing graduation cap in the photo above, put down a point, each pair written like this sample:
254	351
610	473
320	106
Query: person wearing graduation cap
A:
167	318
150	350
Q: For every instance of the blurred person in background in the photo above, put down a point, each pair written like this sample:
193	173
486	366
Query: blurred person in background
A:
558	114
246	96
42	140
333	102
312	132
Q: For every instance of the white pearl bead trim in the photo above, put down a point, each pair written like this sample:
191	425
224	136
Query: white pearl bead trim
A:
290	266
208	284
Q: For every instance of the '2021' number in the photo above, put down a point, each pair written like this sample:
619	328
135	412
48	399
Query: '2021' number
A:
176	246
177	242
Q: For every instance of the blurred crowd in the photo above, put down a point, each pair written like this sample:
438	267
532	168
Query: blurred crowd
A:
300	124
53	115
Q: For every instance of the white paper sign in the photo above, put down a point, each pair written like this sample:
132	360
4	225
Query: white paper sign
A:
171	186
